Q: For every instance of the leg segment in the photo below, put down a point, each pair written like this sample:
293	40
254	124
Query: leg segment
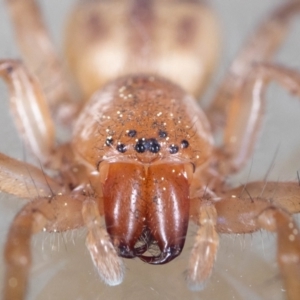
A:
59	213
109	265
24	180
261	47
40	57
239	208
205	248
267	206
288	247
246	110
29	108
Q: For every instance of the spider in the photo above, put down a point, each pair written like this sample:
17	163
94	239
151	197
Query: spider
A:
208	195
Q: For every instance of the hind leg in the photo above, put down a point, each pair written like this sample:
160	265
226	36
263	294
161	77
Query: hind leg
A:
260	47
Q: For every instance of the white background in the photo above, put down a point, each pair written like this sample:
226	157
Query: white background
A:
246	266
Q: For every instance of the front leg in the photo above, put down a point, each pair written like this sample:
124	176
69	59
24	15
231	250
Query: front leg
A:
288	247
268	206
58	213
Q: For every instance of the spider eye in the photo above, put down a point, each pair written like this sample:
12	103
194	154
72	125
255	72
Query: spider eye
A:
173	149
131	133
184	144
121	148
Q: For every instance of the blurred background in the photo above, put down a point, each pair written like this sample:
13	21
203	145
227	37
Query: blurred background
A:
246	264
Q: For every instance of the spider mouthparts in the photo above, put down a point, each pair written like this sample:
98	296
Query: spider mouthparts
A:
126	252
164	257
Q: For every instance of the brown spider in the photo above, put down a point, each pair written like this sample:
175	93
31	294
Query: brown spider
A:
156	151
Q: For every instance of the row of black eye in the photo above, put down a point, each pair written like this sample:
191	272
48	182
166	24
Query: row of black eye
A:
150	145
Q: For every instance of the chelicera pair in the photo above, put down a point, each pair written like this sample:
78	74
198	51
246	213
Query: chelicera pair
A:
142	152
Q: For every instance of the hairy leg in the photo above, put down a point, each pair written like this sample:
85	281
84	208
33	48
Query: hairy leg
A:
105	258
41	59
246	209
205	247
258	205
269	206
24	180
28	105
58	213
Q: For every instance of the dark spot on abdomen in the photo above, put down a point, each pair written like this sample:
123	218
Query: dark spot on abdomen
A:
186	31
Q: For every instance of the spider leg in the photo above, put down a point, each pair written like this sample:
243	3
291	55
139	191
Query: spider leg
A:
106	260
246	110
58	213
267	206
29	107
24	180
261	47
40	56
205	247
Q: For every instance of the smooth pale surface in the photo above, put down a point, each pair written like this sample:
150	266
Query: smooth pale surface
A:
246	266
